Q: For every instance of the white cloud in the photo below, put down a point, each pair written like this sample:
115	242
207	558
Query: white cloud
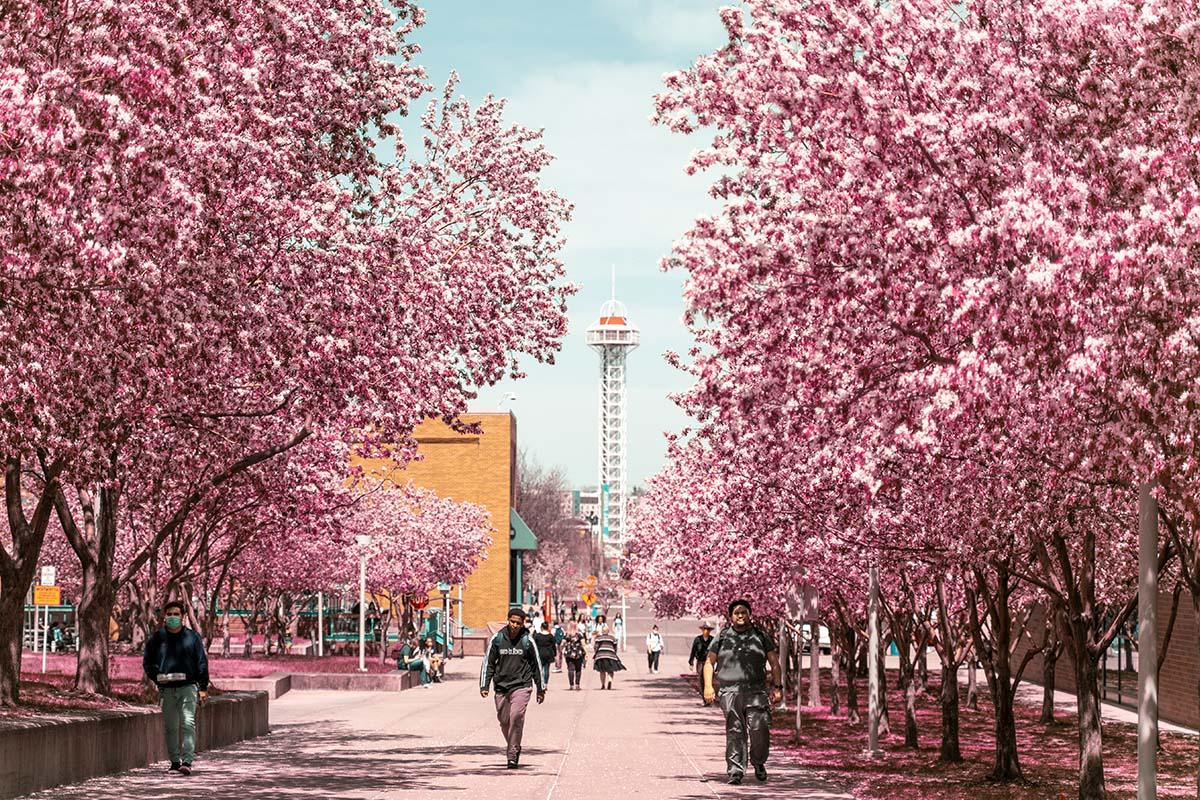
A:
624	175
690	27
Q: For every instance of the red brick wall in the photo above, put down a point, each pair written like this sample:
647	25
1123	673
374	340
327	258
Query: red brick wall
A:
1178	681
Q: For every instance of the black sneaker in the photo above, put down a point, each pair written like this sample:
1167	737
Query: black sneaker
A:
185	769
512	763
760	772
174	766
735	778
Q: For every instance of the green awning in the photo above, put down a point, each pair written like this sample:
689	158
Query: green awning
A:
520	537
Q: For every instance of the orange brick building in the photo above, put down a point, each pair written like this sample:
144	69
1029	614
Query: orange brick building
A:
482	469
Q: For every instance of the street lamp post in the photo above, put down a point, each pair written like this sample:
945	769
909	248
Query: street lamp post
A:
364	542
444	588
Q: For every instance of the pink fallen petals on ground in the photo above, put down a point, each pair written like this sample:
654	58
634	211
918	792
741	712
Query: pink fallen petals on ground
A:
1048	753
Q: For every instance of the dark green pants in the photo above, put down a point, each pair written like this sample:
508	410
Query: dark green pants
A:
747	716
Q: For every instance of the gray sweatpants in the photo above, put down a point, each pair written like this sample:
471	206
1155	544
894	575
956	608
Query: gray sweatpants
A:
510	710
747	714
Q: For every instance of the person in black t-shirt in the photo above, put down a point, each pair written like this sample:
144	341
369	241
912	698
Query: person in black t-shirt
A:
739	657
547	646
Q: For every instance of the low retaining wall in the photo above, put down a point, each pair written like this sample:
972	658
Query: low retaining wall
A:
279	683
275	684
42	752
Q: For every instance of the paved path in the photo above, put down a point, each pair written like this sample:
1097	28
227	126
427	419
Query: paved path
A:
649	737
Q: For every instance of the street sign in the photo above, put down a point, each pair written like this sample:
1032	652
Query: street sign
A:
49	576
47	596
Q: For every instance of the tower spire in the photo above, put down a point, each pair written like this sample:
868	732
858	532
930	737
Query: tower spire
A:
613	337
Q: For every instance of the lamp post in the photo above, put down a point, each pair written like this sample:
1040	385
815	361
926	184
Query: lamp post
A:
364	542
444	588
597	546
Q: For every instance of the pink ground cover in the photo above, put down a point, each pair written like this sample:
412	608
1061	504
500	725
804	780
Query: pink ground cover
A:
1048	753
51	691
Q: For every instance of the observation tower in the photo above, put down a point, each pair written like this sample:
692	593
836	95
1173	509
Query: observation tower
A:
613	337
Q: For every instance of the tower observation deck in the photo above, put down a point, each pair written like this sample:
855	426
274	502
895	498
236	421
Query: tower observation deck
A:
613	337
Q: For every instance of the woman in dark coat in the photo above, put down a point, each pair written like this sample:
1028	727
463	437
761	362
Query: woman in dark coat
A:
604	657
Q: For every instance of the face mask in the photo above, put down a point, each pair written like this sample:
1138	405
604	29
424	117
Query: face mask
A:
174	622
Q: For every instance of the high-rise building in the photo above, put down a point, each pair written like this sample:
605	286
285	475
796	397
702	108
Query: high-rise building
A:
613	337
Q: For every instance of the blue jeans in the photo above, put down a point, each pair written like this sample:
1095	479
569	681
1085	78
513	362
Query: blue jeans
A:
546	674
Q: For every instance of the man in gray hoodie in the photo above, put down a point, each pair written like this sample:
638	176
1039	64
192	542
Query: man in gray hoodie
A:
513	666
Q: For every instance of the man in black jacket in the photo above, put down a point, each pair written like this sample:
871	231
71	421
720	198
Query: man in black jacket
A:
175	662
512	664
699	652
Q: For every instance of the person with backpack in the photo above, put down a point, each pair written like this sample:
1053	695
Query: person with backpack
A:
738	657
654	648
559	635
511	665
574	652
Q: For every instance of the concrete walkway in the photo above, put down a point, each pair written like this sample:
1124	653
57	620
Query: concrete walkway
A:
649	737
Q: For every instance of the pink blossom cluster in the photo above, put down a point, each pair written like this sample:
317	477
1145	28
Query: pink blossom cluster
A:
945	322
223	272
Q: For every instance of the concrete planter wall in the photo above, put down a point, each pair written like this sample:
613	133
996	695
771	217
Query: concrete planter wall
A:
40	753
279	683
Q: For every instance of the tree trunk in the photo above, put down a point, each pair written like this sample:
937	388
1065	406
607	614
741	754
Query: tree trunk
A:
852	715
910	712
972	684
1091	755
1007	765
92	620
949	752
17	569
12	632
835	700
1196	615
885	723
923	668
814	666
1049	668
909	688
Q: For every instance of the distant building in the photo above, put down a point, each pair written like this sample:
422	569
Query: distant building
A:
481	469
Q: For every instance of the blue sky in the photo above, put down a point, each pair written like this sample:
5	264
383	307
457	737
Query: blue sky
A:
586	71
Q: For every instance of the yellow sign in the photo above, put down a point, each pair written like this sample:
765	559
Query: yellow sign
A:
47	595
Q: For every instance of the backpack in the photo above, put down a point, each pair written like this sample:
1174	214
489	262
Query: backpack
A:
573	648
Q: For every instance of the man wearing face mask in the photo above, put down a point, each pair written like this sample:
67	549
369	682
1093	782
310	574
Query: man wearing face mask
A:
176	663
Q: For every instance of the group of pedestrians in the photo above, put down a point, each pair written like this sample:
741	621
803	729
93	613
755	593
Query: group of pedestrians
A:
733	671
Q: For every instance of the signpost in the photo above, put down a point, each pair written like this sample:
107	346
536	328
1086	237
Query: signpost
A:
46	596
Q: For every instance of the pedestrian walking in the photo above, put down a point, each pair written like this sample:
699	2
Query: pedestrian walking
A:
739	657
654	648
574	652
546	647
511	665
619	631
699	653
604	657
174	660
559	635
